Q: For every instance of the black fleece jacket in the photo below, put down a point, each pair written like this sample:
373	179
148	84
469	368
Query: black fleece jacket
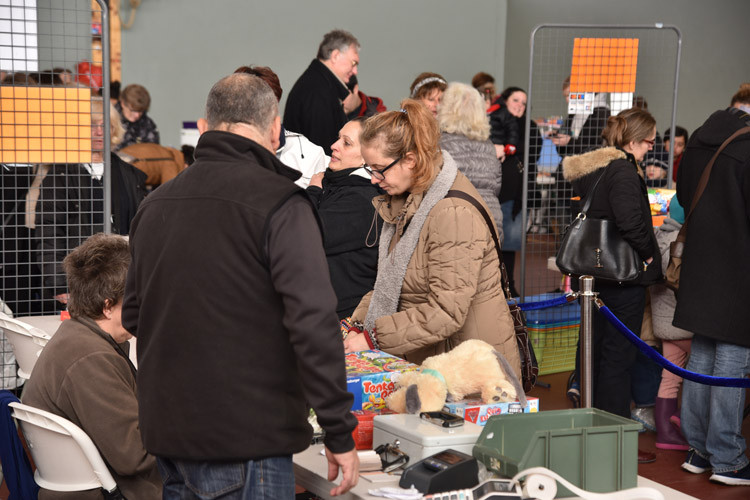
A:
229	295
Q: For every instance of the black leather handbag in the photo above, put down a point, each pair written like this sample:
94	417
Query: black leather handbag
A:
595	247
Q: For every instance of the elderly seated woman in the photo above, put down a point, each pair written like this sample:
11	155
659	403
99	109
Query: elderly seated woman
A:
84	374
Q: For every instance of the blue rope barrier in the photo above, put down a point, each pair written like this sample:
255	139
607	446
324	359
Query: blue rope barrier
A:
665	363
543	304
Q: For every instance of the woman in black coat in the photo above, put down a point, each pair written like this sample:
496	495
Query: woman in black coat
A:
621	196
343	196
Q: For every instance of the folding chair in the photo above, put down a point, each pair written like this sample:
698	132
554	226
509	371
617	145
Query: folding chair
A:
27	342
66	459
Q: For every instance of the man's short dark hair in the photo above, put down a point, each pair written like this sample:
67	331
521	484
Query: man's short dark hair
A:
96	272
241	98
678	132
336	39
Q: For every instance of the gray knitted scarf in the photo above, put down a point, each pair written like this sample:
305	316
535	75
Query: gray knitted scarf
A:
392	267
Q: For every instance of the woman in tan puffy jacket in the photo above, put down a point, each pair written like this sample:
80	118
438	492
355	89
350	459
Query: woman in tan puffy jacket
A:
438	280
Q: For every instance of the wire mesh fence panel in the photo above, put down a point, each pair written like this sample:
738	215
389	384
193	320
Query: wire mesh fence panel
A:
54	149
580	76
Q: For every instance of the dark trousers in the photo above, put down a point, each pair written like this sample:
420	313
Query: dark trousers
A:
614	356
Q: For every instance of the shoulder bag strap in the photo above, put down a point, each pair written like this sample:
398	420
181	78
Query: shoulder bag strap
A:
455	193
590	197
676	248
707	171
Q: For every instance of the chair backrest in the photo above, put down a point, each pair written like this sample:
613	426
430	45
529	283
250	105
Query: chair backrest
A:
66	459
27	342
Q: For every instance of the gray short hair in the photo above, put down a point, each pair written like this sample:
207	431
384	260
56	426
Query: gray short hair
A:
241	98
336	39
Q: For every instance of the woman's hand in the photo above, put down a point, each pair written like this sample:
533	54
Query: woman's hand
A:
62	298
560	139
500	151
355	342
317	180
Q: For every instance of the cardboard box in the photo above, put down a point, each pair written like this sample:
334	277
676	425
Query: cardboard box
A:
371	376
475	411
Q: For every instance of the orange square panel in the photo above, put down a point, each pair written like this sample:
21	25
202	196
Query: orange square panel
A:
24	109
607	59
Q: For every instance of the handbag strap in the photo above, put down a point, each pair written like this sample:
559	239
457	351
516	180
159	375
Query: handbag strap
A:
455	193
590	197
707	171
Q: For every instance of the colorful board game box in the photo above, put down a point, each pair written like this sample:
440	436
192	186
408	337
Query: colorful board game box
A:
475	411
371	376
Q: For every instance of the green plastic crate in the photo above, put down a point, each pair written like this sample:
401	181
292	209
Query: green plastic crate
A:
591	448
555	348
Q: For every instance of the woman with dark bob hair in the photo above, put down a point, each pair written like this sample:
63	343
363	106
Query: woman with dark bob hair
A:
84	374
438	281
620	196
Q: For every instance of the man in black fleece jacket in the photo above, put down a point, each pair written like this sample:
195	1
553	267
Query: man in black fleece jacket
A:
229	295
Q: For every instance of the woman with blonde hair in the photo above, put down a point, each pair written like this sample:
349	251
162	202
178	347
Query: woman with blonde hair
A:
620	196
438	280
465	132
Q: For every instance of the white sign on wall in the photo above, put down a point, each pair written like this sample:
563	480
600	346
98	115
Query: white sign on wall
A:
18	36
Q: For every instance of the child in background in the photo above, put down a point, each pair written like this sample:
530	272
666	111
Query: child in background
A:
675	341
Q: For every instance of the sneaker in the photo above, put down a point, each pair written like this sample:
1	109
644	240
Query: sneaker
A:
644	415
695	463
574	394
733	477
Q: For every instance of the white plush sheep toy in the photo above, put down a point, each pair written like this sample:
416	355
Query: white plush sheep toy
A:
472	367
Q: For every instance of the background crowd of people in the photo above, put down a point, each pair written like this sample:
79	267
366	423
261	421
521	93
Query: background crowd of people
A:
347	211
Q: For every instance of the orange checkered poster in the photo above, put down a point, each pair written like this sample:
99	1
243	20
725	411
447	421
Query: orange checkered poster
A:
604	65
45	125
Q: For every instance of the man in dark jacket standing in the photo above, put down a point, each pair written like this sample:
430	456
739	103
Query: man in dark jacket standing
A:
714	293
320	100
229	296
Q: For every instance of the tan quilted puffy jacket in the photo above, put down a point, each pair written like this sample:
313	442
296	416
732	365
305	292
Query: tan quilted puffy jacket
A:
451	291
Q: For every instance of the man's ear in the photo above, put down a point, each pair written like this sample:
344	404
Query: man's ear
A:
202	125
276	133
107	311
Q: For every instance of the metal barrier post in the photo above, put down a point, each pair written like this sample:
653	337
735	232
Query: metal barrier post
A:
586	284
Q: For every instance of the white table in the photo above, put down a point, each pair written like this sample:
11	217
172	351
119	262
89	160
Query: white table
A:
311	470
51	322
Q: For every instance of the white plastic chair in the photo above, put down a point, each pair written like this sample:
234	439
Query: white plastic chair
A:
27	342
66	459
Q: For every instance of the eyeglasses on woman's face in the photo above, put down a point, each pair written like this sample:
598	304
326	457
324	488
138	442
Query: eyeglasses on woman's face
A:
649	142
380	174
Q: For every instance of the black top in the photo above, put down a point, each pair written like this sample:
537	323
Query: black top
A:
504	127
714	286
590	136
314	107
229	296
345	207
